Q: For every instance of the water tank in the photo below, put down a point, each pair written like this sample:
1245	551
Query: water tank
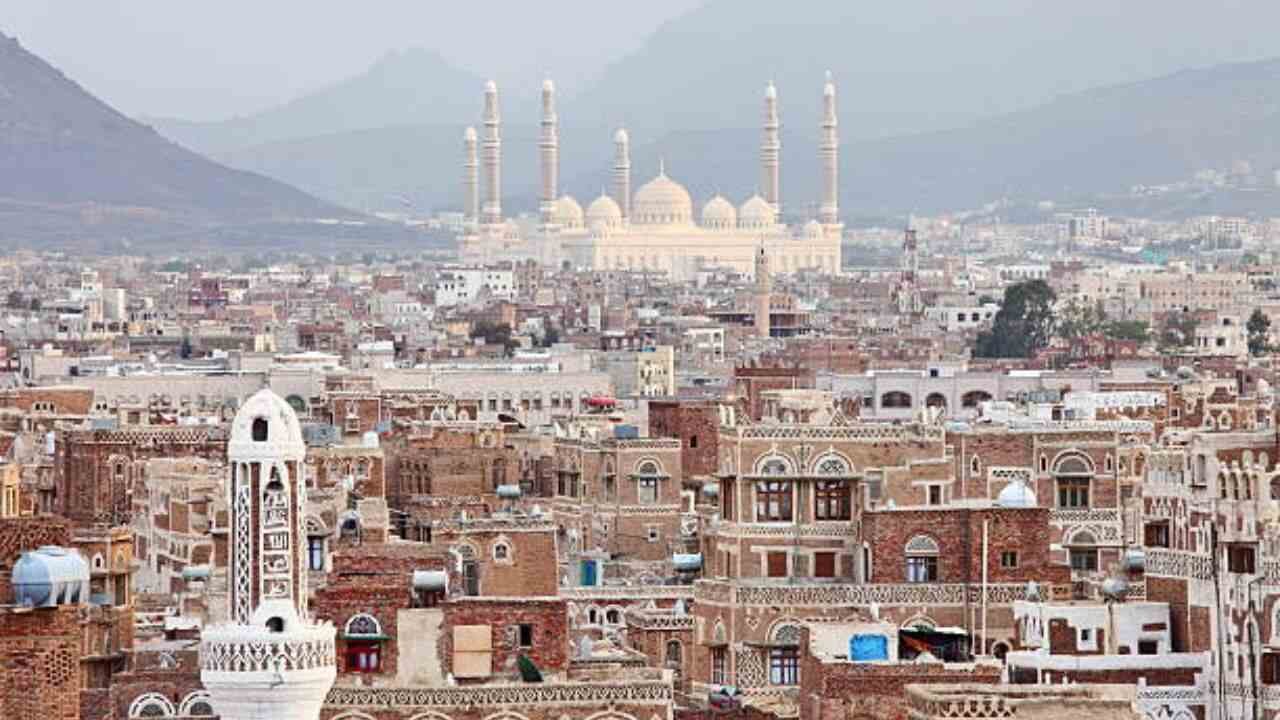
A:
626	432
1135	560
687	562
508	492
1115	589
370	439
430	580
49	576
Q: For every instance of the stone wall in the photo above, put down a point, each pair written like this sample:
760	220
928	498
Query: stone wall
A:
40	673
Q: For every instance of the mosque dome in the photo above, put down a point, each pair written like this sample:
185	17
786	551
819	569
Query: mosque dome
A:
603	211
719	213
755	213
621	136
1016	495
662	201
813	229
568	212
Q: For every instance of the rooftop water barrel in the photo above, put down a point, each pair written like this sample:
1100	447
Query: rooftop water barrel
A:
50	575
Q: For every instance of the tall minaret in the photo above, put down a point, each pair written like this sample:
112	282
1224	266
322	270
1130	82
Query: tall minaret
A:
549	147
470	176
622	172
269	659
770	148
492	212
764	292
829	213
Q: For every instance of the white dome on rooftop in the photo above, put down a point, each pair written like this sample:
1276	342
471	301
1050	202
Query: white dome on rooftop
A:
755	213
604	212
662	201
569	212
719	213
1016	495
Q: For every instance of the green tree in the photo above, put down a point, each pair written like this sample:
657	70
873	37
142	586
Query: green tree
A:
1178	331
1259	327
1127	330
1023	325
1078	319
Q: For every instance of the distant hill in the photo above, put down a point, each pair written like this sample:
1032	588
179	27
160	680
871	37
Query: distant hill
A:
1079	146
910	67
404	88
71	166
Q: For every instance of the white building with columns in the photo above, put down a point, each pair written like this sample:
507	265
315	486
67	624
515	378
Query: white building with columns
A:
656	227
269	660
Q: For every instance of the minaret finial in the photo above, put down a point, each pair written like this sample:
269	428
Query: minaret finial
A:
662	167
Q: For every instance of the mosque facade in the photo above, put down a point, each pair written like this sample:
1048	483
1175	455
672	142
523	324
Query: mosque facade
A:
655	228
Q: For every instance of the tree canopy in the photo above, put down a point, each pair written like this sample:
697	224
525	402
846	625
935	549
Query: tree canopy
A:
1024	324
1259	327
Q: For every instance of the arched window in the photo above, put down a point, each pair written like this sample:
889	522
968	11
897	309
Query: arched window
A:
259	429
151	705
502	552
1073	475
275	624
784	654
832	500
196	704
648	473
937	400
674	656
922	559
974	398
895	399
975	465
363	636
612	616
832	466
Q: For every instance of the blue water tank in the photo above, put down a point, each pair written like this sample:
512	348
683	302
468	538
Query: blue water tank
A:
687	562
863	648
626	432
50	575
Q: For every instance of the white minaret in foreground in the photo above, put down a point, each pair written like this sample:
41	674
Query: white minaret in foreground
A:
549	149
470	176
770	149
622	172
492	211
829	213
269	660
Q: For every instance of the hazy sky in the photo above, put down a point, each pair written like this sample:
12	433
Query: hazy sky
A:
204	60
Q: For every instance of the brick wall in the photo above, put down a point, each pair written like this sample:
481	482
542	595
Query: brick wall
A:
40	674
697	425
549	618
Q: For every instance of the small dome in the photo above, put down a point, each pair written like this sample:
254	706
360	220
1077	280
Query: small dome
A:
469	134
662	201
771	92
621	136
266	427
719	213
604	212
755	213
548	86
491	87
813	229
1016	495
568	212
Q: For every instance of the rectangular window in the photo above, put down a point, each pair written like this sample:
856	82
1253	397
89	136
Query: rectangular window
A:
824	564
784	666
832	500
1073	493
1084	560
315	553
727	505
526	635
470	578
1009	559
1148	647
935	494
653	534
719	665
364	656
776	564
1271	669
1240	559
773	501
648	490
922	568
1156	534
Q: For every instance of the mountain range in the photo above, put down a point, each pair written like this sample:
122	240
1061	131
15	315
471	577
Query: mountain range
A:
73	168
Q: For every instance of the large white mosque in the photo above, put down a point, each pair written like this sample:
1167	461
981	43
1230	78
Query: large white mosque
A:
655	227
